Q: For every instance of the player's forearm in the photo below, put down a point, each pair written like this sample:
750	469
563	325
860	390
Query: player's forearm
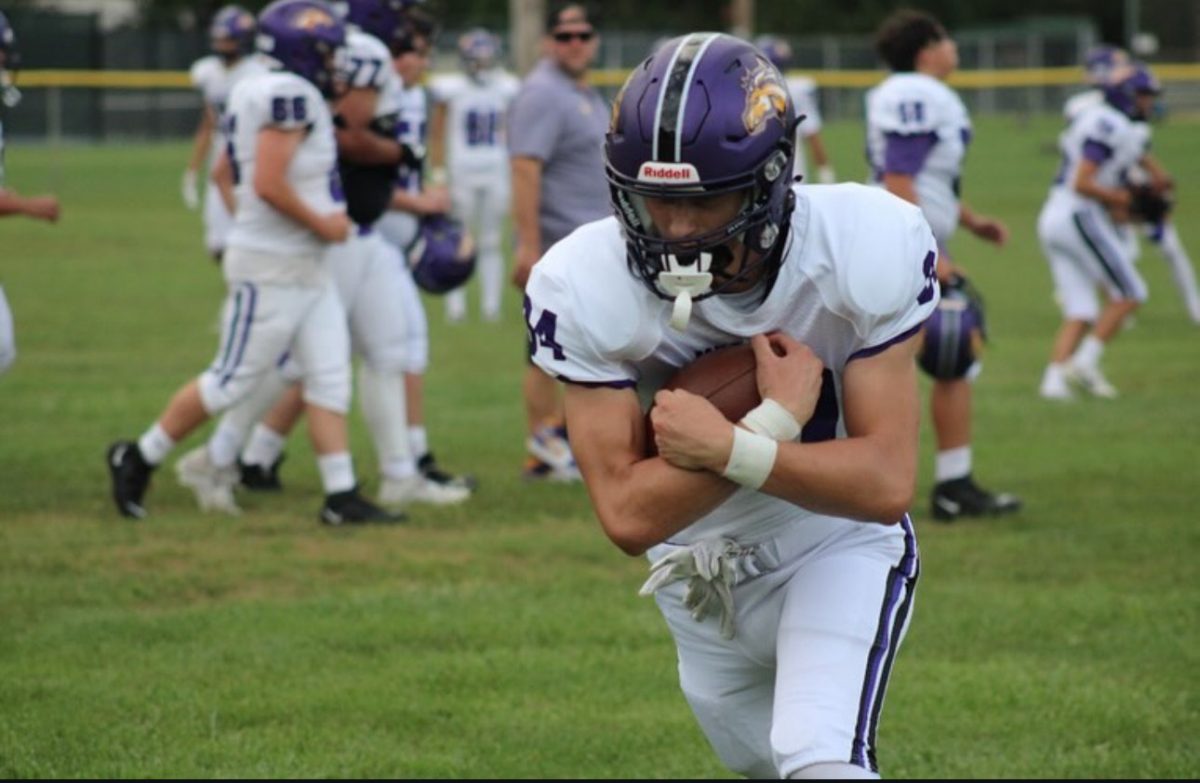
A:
366	148
526	201
13	204
1109	197
283	197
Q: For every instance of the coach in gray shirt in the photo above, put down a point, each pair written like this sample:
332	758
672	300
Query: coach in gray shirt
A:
556	144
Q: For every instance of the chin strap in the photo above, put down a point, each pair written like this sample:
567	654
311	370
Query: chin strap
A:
685	281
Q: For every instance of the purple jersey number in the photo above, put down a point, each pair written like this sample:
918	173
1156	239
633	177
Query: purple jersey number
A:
541	334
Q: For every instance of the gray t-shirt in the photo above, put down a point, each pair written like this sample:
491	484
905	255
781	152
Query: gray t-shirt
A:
563	125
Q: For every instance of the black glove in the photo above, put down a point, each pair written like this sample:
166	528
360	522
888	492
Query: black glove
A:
1148	205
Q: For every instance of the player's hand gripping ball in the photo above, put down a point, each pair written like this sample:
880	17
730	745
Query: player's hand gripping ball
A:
725	377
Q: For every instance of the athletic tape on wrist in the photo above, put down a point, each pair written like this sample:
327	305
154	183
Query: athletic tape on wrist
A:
773	420
751	459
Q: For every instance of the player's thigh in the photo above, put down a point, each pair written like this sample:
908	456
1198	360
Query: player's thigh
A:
378	325
322	349
1108	254
8	340
730	693
843	619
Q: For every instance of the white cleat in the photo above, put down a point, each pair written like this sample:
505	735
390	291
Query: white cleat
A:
1091	380
398	493
553	449
212	485
1054	386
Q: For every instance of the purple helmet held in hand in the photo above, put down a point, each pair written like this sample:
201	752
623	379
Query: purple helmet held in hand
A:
954	333
1125	84
304	37
777	50
387	20
232	32
10	64
443	255
705	114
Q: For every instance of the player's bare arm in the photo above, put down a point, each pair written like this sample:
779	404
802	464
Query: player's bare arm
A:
869	475
986	228
433	200
36	207
275	149
526	204
1116	200
222	177
640	502
356	141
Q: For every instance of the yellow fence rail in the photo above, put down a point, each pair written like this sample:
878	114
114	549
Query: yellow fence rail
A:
1016	77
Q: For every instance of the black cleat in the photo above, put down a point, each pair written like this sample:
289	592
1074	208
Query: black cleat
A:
430	470
258	478
351	508
130	475
962	497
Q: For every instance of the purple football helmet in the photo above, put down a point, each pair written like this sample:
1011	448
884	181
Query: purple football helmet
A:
1100	62
954	334
387	20
705	114
1126	83
777	50
305	37
443	255
478	49
235	25
10	64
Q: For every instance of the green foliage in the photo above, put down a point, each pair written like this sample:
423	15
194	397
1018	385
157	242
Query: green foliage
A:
504	638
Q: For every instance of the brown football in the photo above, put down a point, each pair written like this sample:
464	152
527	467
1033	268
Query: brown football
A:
725	377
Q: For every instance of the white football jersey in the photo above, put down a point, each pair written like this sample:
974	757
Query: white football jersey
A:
1075	105
915	108
369	66
400	228
1105	136
283	100
804	98
215	82
476	111
859	274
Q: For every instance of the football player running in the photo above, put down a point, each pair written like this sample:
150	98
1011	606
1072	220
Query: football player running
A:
918	131
1082	228
231	36
469	118
43	207
782	555
280	298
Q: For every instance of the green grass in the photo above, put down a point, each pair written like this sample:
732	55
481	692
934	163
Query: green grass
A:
505	638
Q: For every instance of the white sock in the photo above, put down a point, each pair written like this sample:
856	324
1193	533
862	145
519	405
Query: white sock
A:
952	464
155	444
381	395
1055	371
1089	352
337	472
418	440
224	443
264	447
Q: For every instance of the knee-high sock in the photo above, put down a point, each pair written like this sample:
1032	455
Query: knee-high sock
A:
1182	271
383	406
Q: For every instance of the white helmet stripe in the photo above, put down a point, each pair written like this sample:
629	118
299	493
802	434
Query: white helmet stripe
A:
667	111
687	86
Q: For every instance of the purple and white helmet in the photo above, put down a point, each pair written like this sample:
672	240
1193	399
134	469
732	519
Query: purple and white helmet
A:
1128	82
387	20
443	255
305	37
1101	61
705	114
10	64
777	50
954	335
236	24
478	49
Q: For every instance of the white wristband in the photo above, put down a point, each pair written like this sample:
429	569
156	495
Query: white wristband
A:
751	460
773	420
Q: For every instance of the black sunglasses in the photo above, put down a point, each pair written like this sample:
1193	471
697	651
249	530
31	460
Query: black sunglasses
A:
584	36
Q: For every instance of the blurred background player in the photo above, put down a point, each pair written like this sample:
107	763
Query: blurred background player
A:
918	131
1098	65
231	36
1080	228
43	207
556	148
467	140
368	271
280	296
803	91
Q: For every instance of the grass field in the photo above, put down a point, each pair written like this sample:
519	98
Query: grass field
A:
505	638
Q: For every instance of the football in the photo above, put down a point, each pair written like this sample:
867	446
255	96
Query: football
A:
725	377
